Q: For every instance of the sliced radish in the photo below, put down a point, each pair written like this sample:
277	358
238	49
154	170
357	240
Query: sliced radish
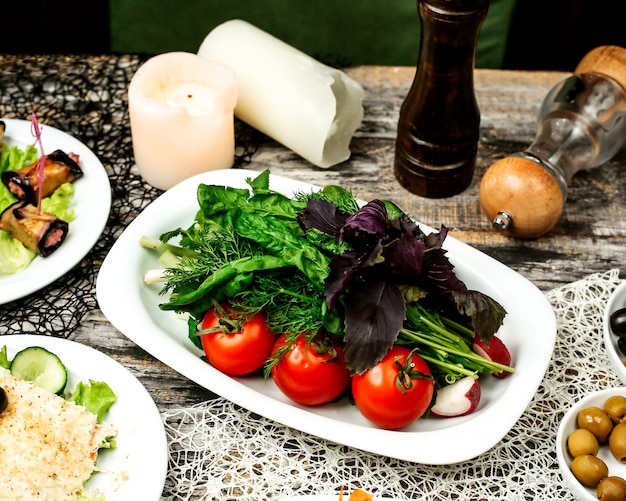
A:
496	351
458	399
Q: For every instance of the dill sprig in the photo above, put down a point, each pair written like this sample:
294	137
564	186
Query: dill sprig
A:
326	266
293	305
212	250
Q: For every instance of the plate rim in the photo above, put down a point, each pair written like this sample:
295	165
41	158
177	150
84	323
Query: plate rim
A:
301	418
77	355
610	339
90	222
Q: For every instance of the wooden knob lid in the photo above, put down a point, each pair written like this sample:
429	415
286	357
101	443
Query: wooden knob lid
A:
526	192
609	60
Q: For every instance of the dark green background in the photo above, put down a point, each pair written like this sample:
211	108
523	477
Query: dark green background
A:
542	34
339	32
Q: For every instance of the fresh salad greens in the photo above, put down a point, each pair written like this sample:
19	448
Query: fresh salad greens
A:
14	256
4	358
13	158
96	396
320	262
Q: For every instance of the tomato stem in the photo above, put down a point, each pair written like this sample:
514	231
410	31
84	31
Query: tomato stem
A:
407	372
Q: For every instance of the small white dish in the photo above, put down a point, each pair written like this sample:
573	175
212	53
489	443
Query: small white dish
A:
567	426
91	204
616	357
136	468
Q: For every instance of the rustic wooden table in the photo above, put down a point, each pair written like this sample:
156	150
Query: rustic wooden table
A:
590	237
86	96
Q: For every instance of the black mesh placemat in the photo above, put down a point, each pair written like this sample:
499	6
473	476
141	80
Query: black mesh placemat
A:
87	98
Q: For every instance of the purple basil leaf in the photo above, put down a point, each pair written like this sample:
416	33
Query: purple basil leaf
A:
323	216
343	269
375	313
485	313
435	240
404	256
438	273
369	223
404	224
437	269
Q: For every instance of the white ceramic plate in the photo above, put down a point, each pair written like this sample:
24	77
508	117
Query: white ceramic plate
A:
529	331
91	204
615	302
567	426
137	467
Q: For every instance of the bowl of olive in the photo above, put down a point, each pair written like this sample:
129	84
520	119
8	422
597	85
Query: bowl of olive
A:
615	330
591	446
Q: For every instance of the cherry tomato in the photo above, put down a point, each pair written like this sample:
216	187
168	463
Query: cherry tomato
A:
396	391
310	372
238	345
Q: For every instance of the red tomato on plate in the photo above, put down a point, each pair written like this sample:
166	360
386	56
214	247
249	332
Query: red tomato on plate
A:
310	372
239	345
394	392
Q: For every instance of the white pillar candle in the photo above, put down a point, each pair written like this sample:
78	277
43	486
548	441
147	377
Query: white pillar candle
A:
308	107
181	110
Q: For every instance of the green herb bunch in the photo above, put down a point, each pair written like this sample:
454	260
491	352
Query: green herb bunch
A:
319	262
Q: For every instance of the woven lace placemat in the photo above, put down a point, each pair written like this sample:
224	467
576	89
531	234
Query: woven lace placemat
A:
219	451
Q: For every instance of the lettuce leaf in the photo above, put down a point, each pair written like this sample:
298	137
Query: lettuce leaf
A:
4	358
14	256
13	158
96	397
59	202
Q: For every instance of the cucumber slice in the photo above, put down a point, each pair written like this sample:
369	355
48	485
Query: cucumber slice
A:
40	366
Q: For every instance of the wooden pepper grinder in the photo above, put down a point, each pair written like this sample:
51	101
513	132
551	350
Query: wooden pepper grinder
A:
582	124
439	121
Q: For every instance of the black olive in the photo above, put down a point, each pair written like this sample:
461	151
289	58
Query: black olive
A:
621	344
4	401
618	322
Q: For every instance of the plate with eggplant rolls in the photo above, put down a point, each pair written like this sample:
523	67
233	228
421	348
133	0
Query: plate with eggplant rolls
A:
55	198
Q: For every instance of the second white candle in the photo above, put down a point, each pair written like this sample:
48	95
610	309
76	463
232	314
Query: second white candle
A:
309	107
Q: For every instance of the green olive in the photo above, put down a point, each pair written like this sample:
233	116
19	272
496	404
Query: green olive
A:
596	421
589	470
617	442
581	442
615	407
612	489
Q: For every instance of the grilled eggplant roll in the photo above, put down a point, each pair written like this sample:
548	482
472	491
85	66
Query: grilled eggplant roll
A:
59	168
42	233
